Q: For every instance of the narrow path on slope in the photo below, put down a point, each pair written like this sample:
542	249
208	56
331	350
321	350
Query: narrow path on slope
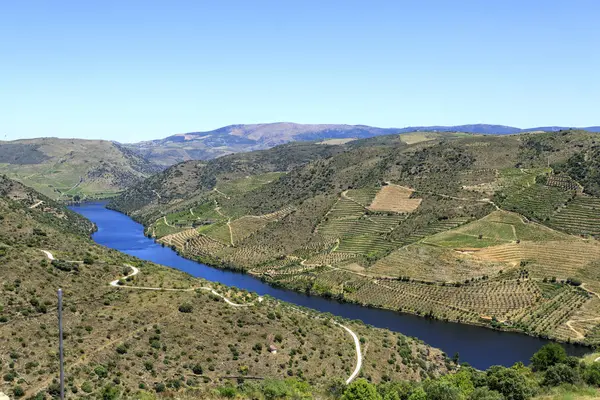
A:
136	271
356	345
36	204
167	222
48	254
218	211
358	352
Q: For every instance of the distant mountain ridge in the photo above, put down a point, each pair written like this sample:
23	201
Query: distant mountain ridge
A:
249	137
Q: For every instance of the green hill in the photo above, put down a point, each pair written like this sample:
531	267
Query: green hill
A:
67	169
411	225
126	341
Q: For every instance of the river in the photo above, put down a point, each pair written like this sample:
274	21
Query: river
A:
480	347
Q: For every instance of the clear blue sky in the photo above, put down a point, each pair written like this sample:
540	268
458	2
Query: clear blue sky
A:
134	70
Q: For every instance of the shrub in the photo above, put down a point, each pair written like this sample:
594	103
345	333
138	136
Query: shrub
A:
360	389
18	391
87	387
483	393
227	391
592	374
101	371
441	390
549	355
508	382
197	369
186	308
560	373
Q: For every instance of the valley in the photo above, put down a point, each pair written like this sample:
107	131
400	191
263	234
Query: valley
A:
135	327
471	229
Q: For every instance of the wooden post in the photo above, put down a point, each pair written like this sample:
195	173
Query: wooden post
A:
60	345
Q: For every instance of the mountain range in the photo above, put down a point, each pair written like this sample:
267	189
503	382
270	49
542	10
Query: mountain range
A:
248	137
70	169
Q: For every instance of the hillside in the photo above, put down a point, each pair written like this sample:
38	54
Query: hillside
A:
66	169
468	228
179	333
249	137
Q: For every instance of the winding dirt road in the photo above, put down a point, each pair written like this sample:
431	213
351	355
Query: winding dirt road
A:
136	271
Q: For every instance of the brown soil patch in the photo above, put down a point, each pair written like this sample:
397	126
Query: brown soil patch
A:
396	199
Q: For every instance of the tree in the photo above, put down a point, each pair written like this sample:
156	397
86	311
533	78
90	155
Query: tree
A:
360	389
442	390
549	355
418	394
560	373
483	393
508	382
592	374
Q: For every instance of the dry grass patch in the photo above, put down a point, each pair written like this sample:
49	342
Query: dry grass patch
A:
396	199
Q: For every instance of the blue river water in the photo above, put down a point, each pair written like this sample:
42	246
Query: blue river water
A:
480	347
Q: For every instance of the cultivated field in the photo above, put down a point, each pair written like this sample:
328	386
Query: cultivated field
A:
395	198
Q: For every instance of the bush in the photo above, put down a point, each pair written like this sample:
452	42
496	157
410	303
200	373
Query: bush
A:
441	390
229	392
508	382
87	387
360	389
101	371
186	308
560	373
592	374
549	355
197	369
18	391
483	393
574	281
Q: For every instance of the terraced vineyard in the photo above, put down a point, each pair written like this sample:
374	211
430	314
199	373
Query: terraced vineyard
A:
363	196
179	239
364	244
562	259
433	263
564	182
433	228
202	246
547	316
581	216
537	201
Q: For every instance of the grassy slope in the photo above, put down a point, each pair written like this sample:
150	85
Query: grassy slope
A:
64	168
332	244
129	338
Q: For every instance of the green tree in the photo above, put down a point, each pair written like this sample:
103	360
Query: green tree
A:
418	394
483	393
442	390
560	373
110	392
549	355
508	382
592	374
360	389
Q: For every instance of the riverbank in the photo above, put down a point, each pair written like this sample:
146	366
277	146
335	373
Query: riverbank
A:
477	345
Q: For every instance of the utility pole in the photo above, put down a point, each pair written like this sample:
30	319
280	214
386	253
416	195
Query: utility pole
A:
60	345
